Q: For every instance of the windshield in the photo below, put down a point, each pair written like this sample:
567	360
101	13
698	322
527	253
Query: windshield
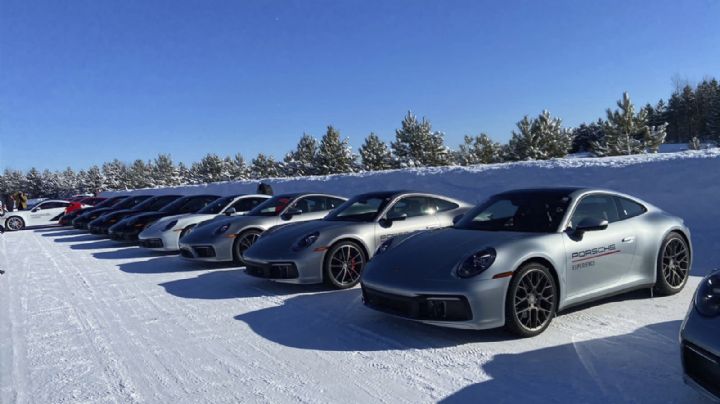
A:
359	209
217	206
131	201
522	212
110	202
154	203
272	207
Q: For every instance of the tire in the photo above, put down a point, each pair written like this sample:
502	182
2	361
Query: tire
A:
343	265
242	242
531	301
14	223
673	265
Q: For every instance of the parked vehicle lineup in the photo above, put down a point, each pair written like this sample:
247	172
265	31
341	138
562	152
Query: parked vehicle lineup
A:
513	261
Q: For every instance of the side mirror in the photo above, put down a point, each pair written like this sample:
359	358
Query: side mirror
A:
388	221
230	211
35	209
457	218
290	213
590	224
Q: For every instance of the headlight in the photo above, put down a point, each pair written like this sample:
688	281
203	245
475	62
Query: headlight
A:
170	225
707	297
384	246
306	241
222	229
476	263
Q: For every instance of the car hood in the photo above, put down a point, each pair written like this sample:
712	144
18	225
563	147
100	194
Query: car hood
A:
435	254
182	219
206	231
287	234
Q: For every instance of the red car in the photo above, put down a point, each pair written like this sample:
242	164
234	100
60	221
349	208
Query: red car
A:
83	203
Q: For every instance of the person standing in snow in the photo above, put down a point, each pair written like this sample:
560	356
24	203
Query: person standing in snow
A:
21	200
8	203
264	189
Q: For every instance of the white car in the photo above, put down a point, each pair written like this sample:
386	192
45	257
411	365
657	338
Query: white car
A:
44	213
164	235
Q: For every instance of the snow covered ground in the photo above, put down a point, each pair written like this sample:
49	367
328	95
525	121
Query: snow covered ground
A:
84	319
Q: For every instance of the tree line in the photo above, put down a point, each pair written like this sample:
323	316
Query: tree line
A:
691	115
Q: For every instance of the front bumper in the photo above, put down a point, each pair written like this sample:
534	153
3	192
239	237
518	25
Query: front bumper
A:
700	353
124	234
455	303
101	229
167	240
217	250
305	267
80	224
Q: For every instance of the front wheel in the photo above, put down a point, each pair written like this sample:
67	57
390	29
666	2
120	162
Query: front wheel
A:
242	242
673	265
344	264
15	223
531	301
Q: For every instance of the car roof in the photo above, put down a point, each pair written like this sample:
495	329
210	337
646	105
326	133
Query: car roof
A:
299	194
550	191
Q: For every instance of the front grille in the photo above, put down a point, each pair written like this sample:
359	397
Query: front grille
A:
151	243
186	253
204	251
702	367
425	307
285	270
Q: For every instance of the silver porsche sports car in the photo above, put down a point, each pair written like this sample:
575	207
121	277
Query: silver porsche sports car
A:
521	256
226	239
336	248
700	338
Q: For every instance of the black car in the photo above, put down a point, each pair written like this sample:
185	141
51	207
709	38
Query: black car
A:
81	222
104	222
129	228
67	219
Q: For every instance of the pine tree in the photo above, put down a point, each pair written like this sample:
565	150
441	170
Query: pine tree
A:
33	183
51	184
116	175
184	176
94	179
541	138
164	172
210	168
654	137
416	145
139	175
374	154
68	182
585	134
713	114
303	160
264	167
334	155
478	150
237	169
13	181
625	131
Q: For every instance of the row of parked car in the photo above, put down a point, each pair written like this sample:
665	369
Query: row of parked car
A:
515	260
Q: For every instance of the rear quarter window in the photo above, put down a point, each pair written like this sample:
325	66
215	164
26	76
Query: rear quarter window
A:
629	208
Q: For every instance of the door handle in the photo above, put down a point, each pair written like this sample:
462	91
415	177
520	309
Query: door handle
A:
628	239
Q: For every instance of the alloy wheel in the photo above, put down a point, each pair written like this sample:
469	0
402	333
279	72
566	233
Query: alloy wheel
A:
534	299
675	262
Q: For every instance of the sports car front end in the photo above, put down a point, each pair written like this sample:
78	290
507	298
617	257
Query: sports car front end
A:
211	241
700	345
462	287
129	228
164	235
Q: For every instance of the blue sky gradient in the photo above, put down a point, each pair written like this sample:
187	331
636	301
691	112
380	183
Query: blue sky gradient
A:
86	81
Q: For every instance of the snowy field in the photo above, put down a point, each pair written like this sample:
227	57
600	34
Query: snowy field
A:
84	319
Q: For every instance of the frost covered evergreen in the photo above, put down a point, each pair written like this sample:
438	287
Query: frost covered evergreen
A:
302	161
540	138
236	167
33	182
164	172
585	134
334	155
265	167
416	145
478	150
374	154
116	174
210	168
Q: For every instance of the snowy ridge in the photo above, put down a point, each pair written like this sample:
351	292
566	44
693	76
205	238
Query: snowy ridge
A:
685	183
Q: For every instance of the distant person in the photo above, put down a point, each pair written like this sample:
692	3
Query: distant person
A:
21	200
264	189
8	202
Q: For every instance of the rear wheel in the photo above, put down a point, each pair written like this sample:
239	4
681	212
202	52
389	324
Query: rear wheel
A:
344	263
673	265
15	223
242	242
531	301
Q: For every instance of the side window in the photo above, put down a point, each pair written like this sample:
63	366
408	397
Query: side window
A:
629	208
312	204
441	205
247	204
197	204
52	205
333	203
600	207
412	206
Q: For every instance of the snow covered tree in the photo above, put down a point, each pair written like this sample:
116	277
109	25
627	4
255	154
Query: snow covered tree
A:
302	161
210	168
375	155
33	183
627	132
236	167
164	172
184	175
116	175
334	155
416	145
264	166
51	184
94	179
139	175
585	134
12	181
478	150
68	182
541	138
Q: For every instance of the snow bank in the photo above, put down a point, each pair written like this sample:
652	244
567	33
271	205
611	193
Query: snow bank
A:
684	183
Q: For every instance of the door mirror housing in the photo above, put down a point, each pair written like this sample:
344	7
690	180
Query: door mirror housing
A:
590	224
388	221
290	213
230	211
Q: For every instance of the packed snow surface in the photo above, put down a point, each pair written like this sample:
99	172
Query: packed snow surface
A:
85	319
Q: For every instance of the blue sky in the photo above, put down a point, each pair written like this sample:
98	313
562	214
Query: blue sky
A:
86	81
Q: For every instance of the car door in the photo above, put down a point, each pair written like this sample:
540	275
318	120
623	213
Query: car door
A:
245	205
597	260
44	212
414	213
312	207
